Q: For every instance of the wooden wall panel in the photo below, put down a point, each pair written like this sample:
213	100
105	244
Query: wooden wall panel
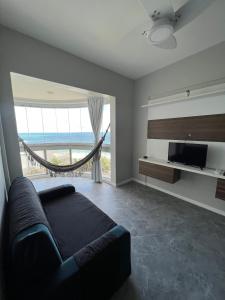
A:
198	128
160	172
220	189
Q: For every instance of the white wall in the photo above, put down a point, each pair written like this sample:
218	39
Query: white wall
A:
191	107
21	54
216	151
205	66
2	213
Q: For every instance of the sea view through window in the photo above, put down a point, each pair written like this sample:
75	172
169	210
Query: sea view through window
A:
60	135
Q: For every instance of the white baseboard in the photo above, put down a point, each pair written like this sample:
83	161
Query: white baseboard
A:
206	206
110	183
124	182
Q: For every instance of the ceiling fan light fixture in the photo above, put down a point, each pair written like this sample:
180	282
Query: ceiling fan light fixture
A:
161	31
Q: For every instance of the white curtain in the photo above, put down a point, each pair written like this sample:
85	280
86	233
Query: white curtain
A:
95	107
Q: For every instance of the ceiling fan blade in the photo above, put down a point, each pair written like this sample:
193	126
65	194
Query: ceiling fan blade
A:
159	8
189	11
170	43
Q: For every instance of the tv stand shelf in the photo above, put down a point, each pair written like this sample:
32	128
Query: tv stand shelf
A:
205	171
170	172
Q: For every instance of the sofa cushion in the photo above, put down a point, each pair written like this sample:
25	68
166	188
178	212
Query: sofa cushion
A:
58	191
24	207
75	222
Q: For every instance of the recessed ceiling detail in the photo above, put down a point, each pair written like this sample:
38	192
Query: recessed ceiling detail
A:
35	90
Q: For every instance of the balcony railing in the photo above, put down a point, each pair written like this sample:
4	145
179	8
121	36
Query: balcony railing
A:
65	153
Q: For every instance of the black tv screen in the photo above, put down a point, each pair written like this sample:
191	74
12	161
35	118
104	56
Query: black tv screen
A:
189	154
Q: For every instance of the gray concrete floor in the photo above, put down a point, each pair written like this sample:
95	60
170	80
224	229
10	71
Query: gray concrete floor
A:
178	249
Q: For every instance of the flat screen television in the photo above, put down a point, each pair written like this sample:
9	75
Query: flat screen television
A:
188	154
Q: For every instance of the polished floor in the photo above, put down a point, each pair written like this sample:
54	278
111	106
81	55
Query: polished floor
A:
178	249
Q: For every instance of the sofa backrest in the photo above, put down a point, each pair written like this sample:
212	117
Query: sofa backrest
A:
25	209
32	249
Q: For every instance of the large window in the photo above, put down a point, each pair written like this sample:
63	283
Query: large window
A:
54	125
60	135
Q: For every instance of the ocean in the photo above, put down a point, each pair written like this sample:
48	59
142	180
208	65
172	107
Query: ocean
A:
61	137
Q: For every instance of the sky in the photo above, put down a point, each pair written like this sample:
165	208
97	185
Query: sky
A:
36	120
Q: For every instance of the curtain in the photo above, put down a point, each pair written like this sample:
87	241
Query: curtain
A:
3	157
95	107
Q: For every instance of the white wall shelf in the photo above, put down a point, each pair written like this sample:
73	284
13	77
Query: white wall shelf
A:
206	171
187	94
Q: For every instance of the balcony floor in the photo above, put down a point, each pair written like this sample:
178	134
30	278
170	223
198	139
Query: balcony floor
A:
177	248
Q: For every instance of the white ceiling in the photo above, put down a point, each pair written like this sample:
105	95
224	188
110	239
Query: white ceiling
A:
33	90
108	32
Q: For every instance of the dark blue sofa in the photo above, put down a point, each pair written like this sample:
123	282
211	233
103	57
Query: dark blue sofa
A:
61	246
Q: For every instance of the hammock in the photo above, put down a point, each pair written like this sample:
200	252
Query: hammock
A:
64	168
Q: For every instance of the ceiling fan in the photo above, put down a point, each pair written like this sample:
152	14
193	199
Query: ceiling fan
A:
166	22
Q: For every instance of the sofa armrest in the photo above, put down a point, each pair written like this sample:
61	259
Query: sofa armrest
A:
64	283
94	272
55	192
104	264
